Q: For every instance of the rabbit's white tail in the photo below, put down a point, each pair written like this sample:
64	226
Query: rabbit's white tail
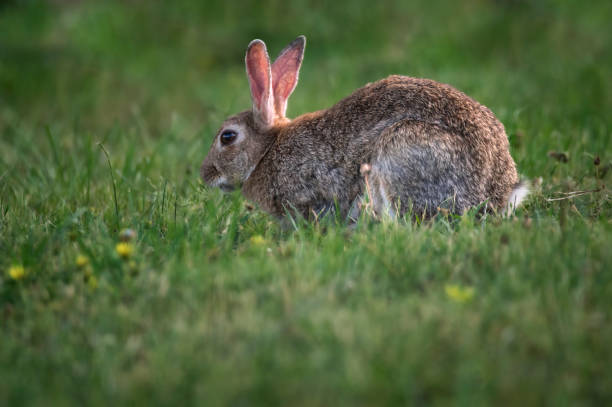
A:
518	195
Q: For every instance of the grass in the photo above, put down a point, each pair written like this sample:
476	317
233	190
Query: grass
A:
106	111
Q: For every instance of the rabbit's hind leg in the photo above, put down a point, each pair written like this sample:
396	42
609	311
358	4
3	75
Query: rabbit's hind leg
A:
419	167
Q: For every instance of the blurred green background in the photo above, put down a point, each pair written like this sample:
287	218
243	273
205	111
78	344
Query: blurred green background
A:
105	62
218	304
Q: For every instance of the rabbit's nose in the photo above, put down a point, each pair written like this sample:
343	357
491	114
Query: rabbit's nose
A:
209	173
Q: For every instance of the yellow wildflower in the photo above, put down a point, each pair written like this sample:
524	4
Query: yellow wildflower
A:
82	261
459	294
257	240
124	250
16	272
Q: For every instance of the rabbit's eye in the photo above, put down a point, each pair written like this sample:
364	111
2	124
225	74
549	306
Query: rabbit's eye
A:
228	137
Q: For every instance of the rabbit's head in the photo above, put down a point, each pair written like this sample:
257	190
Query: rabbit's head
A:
243	139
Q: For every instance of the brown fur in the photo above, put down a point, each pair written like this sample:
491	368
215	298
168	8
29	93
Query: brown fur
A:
428	145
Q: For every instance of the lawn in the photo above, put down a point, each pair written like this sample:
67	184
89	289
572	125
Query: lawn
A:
124	280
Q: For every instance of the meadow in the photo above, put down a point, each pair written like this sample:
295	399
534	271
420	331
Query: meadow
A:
124	280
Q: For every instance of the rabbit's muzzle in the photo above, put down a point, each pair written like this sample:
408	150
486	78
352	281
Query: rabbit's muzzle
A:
213	177
210	174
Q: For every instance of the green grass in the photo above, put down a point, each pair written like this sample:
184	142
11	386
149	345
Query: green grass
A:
219	304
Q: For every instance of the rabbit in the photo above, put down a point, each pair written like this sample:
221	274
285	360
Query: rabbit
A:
400	144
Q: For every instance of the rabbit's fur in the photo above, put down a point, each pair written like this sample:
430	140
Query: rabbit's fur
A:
406	143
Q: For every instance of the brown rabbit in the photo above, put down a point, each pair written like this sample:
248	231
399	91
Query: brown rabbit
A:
407	143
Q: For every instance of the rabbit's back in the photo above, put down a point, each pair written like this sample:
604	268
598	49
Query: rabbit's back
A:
401	97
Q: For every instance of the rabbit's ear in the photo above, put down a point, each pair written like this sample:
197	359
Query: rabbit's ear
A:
260	80
285	72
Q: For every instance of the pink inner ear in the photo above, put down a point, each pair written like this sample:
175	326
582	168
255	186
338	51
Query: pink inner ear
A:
285	72
258	71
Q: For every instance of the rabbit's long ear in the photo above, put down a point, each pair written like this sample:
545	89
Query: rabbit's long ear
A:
260	80
285	72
